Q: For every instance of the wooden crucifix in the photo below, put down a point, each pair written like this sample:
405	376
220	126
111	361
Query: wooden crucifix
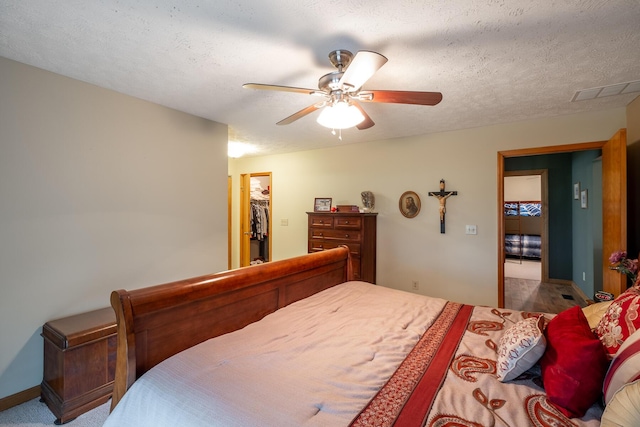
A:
442	197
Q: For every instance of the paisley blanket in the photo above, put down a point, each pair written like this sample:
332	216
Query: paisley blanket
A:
449	379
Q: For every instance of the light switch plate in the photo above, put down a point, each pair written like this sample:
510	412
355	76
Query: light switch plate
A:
471	229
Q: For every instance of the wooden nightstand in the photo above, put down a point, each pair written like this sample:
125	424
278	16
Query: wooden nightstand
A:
79	362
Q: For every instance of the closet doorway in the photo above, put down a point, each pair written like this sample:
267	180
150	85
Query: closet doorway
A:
255	218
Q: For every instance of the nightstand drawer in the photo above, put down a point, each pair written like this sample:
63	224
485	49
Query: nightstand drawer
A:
336	235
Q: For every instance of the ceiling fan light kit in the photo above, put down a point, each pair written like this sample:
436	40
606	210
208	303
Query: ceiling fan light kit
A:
342	92
340	115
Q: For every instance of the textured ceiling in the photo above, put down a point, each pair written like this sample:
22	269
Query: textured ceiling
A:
495	61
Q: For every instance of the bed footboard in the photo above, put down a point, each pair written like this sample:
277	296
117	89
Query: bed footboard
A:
157	322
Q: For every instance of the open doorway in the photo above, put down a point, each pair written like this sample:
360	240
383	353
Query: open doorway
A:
525	213
255	218
613	201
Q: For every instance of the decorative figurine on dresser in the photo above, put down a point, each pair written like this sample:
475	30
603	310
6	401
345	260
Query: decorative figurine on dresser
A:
368	201
357	230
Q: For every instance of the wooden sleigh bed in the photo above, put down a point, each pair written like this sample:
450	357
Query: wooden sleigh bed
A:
328	351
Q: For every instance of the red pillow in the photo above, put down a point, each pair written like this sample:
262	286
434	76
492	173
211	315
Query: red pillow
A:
620	320
574	363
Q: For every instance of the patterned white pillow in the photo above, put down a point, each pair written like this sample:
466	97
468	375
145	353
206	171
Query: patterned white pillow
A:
520	347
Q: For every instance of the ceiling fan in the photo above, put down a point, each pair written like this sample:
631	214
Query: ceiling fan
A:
342	91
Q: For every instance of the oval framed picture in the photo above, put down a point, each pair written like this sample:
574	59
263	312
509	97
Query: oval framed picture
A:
409	204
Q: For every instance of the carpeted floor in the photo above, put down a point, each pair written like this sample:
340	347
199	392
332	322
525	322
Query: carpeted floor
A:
525	269
36	414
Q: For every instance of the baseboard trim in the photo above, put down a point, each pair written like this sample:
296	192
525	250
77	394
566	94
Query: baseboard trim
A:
580	292
575	288
561	282
19	398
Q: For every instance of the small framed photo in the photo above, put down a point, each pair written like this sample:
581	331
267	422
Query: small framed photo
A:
409	204
576	191
322	204
583	199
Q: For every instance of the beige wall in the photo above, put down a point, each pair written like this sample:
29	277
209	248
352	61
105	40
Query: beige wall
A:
522	188
452	265
98	191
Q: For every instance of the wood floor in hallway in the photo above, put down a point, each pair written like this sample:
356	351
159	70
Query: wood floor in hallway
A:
537	296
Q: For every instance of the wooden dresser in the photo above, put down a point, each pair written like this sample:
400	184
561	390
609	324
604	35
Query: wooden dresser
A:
79	362
356	230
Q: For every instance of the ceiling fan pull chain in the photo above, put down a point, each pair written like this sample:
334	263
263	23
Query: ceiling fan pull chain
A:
333	132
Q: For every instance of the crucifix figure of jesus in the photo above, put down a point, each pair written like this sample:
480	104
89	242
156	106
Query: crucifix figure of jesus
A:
442	197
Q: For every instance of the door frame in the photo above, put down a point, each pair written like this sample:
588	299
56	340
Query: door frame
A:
556	149
229	223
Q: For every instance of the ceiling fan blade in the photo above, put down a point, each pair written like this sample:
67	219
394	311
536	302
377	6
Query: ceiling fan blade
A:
295	116
363	66
400	97
367	122
279	88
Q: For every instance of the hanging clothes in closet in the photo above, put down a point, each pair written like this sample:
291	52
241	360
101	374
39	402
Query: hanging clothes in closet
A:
259	219
259	222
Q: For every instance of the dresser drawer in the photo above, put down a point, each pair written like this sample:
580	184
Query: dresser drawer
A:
321	221
329	234
323	245
348	223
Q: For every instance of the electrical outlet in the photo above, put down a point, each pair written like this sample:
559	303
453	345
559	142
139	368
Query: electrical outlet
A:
471	229
415	285
284	222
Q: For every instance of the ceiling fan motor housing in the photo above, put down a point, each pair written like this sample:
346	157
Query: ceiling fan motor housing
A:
340	58
330	82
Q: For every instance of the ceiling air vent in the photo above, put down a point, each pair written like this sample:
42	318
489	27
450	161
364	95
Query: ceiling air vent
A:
602	91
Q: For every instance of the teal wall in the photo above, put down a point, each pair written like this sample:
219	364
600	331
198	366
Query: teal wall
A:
586	169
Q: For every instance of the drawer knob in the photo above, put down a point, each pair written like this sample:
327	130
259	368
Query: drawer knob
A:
346	236
346	222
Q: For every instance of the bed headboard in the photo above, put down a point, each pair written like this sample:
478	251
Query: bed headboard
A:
157	322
